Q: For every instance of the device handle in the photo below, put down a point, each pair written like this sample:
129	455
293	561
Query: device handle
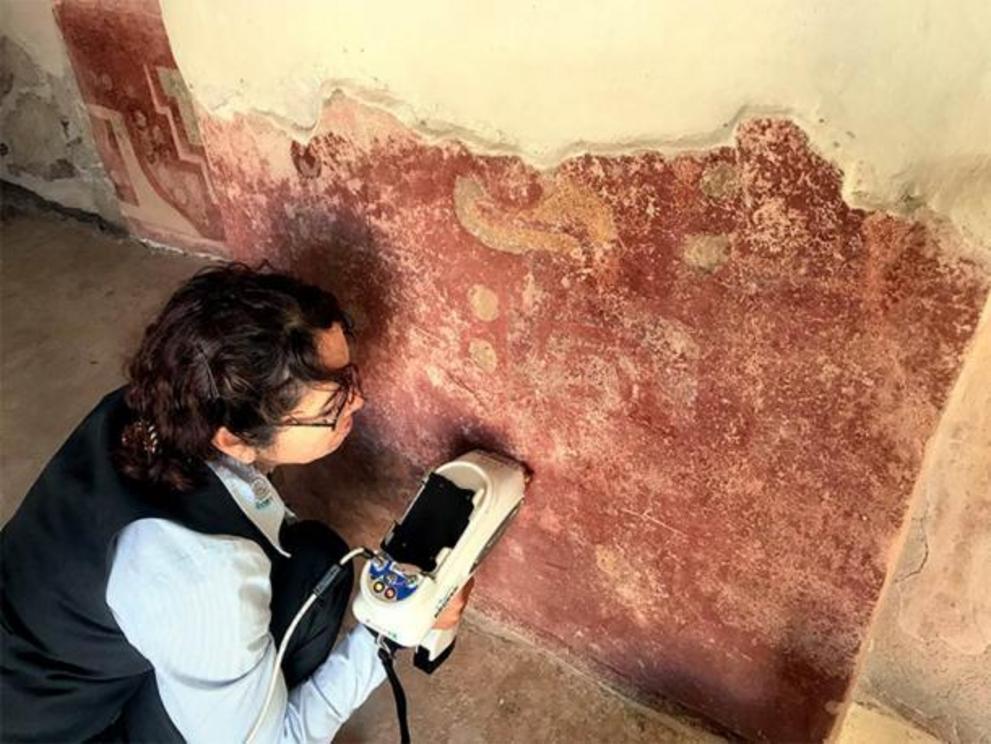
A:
437	641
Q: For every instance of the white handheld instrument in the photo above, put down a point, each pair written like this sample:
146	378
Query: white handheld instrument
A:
460	512
458	515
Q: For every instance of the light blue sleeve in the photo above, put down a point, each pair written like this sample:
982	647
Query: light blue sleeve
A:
197	607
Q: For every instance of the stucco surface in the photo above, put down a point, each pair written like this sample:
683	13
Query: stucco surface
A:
46	145
929	655
897	93
32	24
721	374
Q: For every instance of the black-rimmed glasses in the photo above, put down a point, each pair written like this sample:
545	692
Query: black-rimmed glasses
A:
349	388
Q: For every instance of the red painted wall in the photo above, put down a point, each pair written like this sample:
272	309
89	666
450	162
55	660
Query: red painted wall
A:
142	119
721	375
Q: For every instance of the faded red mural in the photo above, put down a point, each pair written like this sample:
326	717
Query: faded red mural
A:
143	121
721	375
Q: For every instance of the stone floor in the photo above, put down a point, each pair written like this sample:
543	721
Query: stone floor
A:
74	301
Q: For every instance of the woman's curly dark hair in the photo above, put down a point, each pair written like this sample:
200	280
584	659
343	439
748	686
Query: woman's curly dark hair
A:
234	346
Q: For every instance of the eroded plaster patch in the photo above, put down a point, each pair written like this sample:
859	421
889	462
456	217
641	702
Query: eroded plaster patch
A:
45	144
720	181
484	302
483	354
707	252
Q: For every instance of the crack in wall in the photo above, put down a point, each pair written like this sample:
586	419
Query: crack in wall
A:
921	528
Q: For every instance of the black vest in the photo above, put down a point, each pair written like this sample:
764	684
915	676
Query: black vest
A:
67	668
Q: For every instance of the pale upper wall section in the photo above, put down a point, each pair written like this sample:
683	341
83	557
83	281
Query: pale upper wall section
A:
31	24
897	92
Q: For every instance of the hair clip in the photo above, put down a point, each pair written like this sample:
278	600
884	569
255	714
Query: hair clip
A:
146	434
151	439
214	390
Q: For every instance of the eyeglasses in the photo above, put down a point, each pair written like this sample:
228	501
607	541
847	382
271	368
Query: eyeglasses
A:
349	387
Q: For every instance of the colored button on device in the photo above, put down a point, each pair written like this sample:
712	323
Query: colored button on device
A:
390	593
378	586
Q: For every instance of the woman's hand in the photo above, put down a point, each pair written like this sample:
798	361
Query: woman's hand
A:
451	614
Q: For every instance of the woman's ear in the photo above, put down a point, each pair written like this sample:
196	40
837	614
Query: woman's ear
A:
231	444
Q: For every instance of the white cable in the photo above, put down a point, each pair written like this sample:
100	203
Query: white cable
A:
285	644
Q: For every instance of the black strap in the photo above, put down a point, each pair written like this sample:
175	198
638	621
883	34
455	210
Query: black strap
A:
397	692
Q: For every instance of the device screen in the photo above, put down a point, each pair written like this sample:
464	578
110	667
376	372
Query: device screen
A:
436	521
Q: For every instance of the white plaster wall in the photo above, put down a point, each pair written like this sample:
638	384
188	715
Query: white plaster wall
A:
43	120
32	24
897	92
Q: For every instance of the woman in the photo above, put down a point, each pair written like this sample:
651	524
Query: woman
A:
152	570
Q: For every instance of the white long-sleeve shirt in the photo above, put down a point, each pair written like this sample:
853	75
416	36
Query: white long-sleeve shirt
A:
197	607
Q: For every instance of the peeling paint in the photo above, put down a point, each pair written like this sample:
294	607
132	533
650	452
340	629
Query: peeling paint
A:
46	146
743	440
647	77
32	132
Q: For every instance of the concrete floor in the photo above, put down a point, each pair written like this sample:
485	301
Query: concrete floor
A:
74	302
